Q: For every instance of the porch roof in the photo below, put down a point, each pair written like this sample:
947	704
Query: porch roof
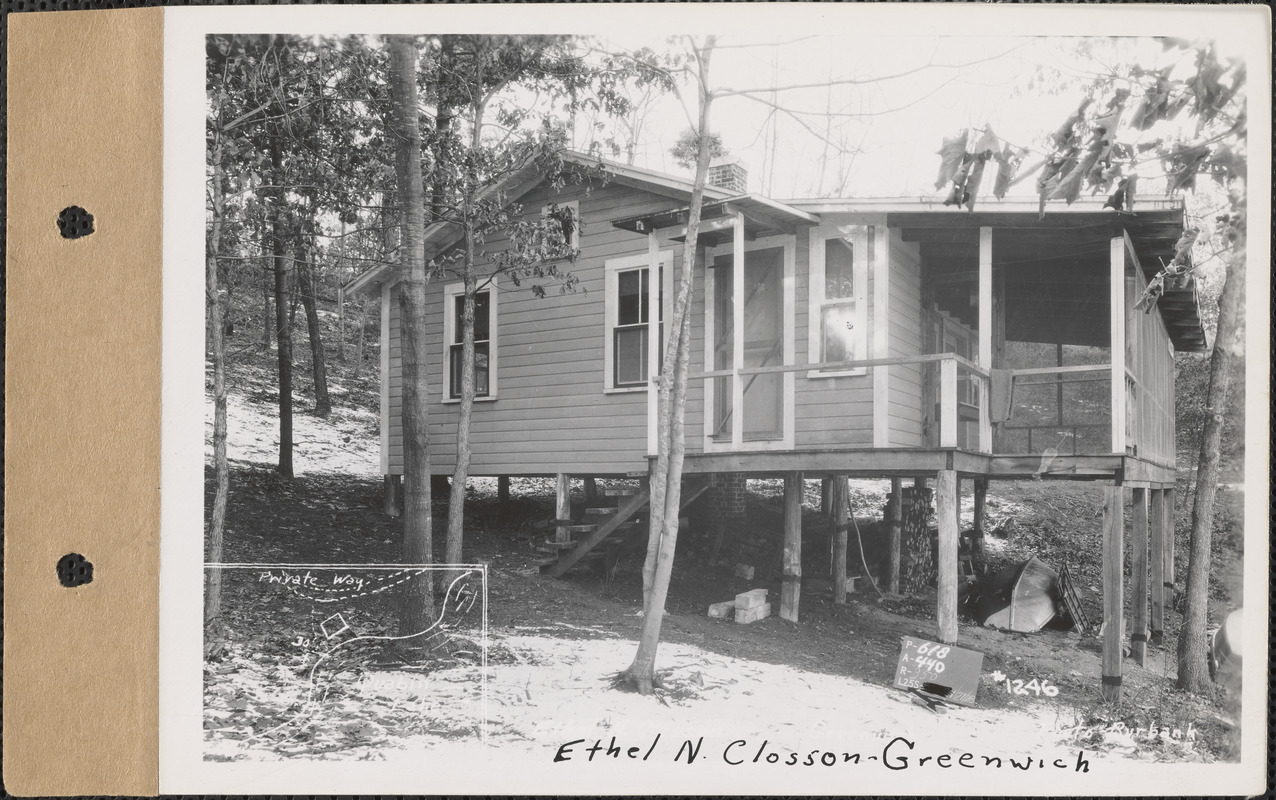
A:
1060	237
762	217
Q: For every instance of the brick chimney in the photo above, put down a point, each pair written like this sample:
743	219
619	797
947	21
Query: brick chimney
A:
729	172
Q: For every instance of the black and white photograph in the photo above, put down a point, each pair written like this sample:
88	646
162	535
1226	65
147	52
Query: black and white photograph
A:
826	403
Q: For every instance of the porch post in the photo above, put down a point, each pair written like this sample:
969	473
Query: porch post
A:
1157	562
393	499
791	585
1116	280
1169	547
877	266
948	403
897	529
562	508
503	489
981	510
985	297
946	515
737	332
654	358
1139	576
1113	586
838	512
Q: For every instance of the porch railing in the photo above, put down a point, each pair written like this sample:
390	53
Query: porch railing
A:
1066	409
963	386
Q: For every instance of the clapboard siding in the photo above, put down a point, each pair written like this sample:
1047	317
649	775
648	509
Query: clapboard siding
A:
905	413
551	413
830	412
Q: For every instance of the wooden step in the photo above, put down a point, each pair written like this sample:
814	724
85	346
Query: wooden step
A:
542	563
560	545
620	491
600	512
582	528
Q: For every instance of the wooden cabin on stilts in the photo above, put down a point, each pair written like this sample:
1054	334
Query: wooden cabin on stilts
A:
892	339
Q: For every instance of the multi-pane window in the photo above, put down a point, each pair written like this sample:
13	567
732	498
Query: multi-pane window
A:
482	342
635	299
633	315
838	307
839	313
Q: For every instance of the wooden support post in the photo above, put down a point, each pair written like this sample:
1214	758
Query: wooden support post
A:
896	532
1113	587
981	519
791	586
1169	548
838	502
826	496
1156	559
503	489
392	498
591	491
946	515
1139	576
563	508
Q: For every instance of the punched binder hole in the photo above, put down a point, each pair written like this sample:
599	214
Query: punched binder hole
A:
74	570
74	222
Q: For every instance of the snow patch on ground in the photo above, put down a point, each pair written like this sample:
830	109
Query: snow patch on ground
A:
345	444
543	692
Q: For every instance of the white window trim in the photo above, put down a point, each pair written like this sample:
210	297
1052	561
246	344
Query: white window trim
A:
786	442
858	235
611	280
450	291
574	205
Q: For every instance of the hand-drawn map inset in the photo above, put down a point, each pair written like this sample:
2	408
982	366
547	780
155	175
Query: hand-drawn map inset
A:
313	664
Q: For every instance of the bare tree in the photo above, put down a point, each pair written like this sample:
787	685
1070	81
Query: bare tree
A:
666	476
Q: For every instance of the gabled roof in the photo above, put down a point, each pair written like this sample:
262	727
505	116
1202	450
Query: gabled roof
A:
442	235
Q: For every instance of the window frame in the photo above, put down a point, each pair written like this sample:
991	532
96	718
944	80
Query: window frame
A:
450	292
573	242
611	314
817	302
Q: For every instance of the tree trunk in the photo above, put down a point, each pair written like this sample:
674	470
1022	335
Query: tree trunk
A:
267	319
461	469
666	479
417	612
1193	674
217	519
283	331
341	297
361	305
310	288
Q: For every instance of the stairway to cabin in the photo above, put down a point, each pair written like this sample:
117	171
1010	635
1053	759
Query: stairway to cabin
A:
617	521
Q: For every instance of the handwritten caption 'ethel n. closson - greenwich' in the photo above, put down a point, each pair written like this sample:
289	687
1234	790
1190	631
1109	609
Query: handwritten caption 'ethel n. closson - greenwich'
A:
899	753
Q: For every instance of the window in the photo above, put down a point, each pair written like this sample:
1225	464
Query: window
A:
484	342
568	216
838	312
632	295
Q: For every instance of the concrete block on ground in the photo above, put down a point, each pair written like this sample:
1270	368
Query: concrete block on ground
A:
722	610
750	599
753	614
744	571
